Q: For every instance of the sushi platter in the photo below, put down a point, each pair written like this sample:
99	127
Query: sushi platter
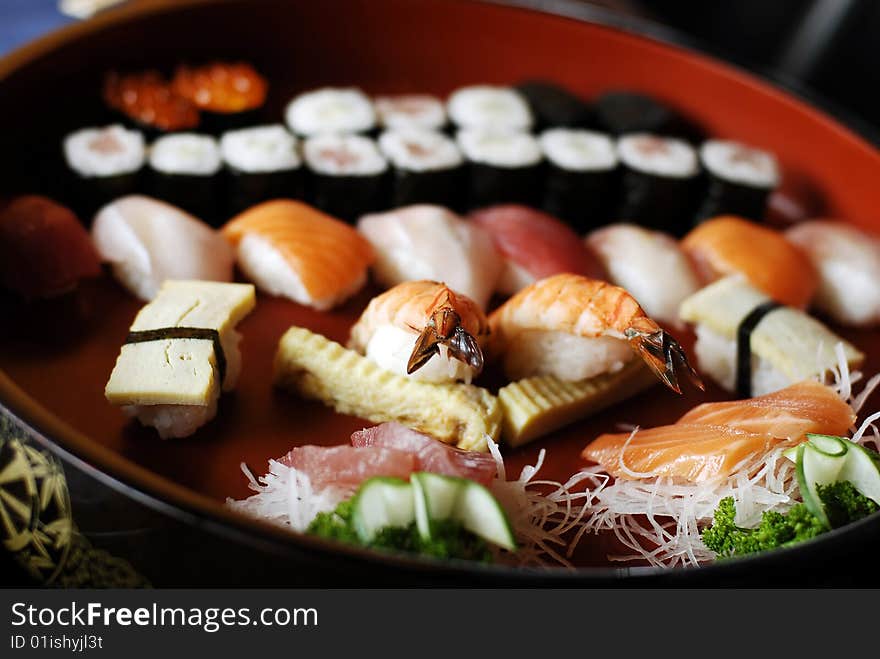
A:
521	316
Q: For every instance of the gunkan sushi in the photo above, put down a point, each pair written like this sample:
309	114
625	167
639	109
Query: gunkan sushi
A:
659	182
410	111
330	110
181	352
847	260
347	175
485	106
147	241
582	176
146	101
431	242
228	94
263	163
184	170
427	167
105	163
740	179
504	166
293	250
752	345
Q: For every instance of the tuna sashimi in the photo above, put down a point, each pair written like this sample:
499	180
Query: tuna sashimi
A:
347	467
789	413
535	245
44	250
431	242
713	438
430	454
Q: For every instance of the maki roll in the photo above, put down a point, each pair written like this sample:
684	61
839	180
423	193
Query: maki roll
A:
410	111
184	171
428	167
554	106
228	94
105	163
146	101
483	106
621	112
740	179
346	175
504	166
330	110
659	181
262	163
582	176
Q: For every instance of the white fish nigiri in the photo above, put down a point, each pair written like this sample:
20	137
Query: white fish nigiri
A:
648	264
848	262
430	242
147	241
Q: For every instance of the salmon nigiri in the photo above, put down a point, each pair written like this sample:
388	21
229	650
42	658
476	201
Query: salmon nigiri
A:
728	245
713	439
534	245
288	248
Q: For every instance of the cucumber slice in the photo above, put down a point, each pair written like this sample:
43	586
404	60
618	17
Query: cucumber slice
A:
382	502
819	462
436	498
862	469
481	514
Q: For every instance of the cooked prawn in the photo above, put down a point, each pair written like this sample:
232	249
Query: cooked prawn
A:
588	309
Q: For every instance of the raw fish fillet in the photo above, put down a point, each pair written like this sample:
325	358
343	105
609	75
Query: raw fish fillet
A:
711	440
535	245
347	467
430	454
148	241
289	248
431	242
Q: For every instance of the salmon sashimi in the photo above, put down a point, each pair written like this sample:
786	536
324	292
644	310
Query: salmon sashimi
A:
712	439
789	413
423	329
346	467
728	245
44	250
534	245
431	454
291	249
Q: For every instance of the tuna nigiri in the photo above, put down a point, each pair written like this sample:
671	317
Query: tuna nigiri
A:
431	242
534	245
727	245
147	241
44	250
713	439
290	249
649	264
848	262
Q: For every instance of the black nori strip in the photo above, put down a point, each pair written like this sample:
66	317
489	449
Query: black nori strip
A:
348	196
443	186
553	105
200	333
194	193
492	184
665	203
584	199
248	189
723	197
619	112
744	346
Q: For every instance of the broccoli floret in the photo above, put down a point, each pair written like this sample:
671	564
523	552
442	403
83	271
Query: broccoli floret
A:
335	524
843	504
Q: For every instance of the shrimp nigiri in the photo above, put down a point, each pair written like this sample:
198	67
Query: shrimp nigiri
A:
575	328
713	439
728	245
534	245
423	329
288	248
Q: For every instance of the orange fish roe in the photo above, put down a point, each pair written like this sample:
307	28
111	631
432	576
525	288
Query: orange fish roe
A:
148	99
223	87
